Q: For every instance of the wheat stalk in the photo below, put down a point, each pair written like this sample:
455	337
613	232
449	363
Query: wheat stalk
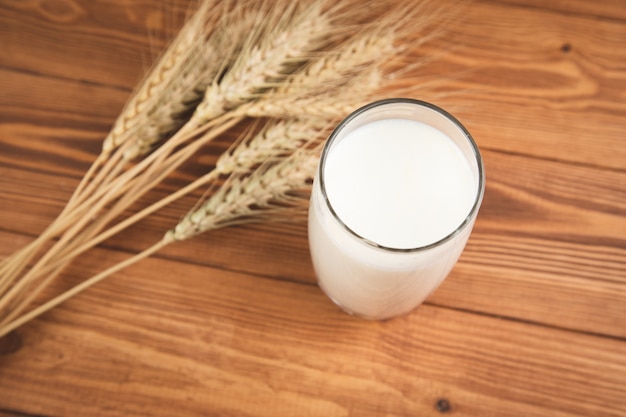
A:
32	283
260	196
171	88
277	139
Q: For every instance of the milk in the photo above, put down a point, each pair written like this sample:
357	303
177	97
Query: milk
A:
400	183
403	195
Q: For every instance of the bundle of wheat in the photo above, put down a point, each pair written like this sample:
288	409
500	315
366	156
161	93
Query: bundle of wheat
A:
290	70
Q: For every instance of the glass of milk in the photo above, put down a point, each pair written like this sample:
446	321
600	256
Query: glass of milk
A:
394	200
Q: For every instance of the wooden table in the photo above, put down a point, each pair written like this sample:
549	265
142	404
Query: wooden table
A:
531	322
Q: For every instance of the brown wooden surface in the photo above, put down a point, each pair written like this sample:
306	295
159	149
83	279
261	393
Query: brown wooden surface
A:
531	322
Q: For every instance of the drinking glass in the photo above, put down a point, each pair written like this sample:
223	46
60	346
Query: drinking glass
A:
375	280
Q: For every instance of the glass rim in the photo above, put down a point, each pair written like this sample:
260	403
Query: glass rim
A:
468	137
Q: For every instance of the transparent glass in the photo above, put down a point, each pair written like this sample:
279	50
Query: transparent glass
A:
362	276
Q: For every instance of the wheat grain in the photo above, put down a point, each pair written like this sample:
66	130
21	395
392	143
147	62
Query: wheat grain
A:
168	114
157	79
275	140
205	62
330	104
258	196
295	35
334	84
353	57
148	96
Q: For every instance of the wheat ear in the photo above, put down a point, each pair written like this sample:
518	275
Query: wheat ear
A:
329	104
258	196
277	139
160	75
207	59
153	86
271	57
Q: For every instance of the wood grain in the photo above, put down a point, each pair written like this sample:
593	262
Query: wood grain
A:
531	96
209	338
531	322
557	243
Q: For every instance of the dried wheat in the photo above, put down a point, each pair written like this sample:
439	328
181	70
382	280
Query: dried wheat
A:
330	104
158	78
275	140
270	60
204	63
355	56
257	196
288	67
266	194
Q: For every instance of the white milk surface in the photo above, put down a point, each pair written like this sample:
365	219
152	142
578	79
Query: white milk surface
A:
401	184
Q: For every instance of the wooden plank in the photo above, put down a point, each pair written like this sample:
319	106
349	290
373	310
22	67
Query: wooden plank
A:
518	263
99	42
605	9
531	322
535	82
515	88
201	340
34	100
11	413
